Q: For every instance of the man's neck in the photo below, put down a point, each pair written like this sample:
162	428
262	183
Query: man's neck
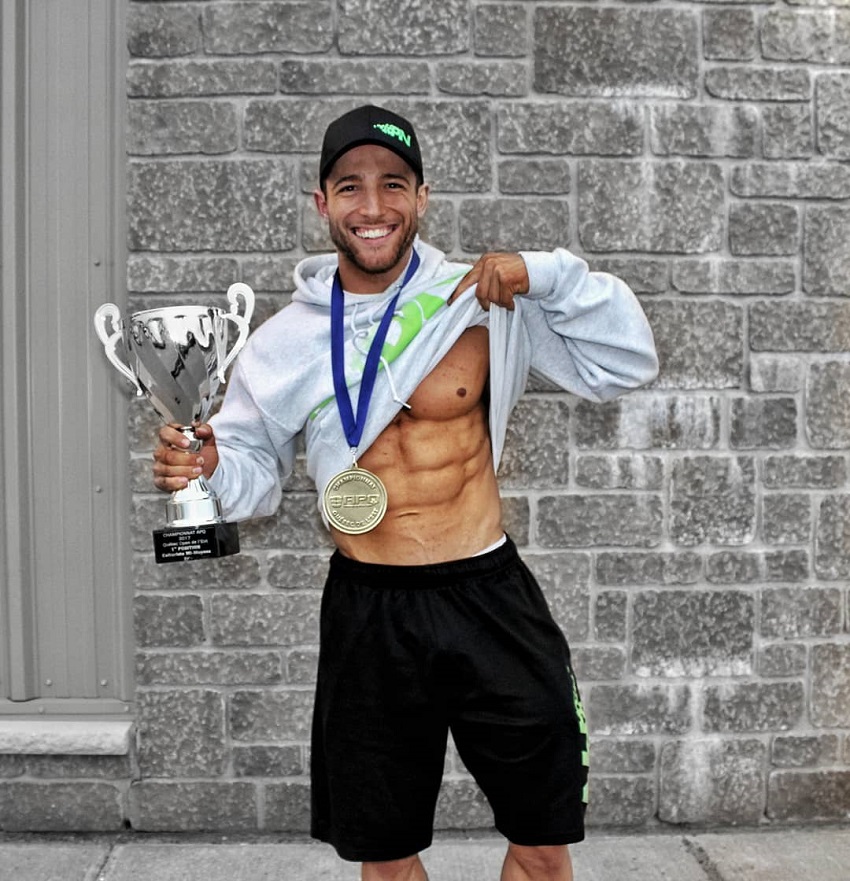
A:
357	281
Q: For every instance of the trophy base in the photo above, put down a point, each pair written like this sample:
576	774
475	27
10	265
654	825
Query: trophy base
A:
187	543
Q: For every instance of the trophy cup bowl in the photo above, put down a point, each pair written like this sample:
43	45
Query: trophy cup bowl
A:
176	357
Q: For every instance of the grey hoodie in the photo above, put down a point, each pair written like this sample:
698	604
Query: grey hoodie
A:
583	331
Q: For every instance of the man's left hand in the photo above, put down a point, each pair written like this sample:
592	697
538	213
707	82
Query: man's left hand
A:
500	277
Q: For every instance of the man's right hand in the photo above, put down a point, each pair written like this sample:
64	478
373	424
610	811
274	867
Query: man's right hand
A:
175	465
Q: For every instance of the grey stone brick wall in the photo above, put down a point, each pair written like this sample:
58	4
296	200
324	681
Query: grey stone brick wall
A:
693	538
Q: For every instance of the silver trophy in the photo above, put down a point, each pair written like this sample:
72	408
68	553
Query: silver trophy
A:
176	356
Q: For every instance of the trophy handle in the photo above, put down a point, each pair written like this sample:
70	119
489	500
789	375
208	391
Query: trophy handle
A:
235	292
110	339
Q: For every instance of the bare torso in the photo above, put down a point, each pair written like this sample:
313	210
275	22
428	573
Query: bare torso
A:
436	463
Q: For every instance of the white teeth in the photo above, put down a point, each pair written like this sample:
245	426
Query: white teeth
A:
372	233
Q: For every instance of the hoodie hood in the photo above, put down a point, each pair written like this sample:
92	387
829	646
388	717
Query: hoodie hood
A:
314	276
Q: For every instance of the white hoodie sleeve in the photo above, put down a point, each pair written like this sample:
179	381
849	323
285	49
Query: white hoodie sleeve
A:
589	334
255	454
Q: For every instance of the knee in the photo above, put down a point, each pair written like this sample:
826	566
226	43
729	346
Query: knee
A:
543	862
408	869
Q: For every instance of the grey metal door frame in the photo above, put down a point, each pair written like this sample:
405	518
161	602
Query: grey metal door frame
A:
65	596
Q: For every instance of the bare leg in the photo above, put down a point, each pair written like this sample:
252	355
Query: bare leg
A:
408	869
537	864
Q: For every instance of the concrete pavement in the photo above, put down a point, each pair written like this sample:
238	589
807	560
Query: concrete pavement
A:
791	854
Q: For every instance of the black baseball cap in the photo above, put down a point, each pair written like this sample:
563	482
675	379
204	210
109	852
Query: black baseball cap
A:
370	125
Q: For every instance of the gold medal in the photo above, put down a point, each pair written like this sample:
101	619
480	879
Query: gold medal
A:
355	500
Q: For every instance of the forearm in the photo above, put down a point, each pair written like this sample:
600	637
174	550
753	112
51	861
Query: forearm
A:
254	453
589	332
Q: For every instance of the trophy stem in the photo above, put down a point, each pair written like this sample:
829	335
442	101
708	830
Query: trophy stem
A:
195	505
188	431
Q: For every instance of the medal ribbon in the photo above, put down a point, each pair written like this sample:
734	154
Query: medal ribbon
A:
353	427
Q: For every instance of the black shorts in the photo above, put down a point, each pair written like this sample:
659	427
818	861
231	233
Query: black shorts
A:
409	652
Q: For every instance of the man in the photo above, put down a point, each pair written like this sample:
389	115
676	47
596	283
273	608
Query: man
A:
430	622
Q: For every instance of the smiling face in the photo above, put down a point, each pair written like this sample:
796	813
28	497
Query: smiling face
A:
372	203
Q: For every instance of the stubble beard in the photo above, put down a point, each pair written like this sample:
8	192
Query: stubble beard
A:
342	242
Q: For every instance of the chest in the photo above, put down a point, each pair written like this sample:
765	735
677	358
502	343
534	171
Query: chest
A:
456	385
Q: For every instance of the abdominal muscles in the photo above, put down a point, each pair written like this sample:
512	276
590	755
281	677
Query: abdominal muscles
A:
436	463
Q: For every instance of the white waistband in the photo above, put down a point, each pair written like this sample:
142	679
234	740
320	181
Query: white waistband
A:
496	544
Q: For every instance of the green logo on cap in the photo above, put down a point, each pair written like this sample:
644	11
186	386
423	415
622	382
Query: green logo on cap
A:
393	131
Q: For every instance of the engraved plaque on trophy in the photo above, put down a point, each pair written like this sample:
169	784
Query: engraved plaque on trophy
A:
176	356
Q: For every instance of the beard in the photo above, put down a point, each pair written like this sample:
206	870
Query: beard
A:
344	243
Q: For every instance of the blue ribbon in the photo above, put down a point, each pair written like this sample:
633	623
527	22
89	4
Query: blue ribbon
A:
353	427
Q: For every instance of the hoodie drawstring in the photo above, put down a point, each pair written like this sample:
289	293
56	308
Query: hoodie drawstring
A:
358	335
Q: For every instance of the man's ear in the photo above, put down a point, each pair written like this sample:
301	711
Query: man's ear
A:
422	195
321	203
